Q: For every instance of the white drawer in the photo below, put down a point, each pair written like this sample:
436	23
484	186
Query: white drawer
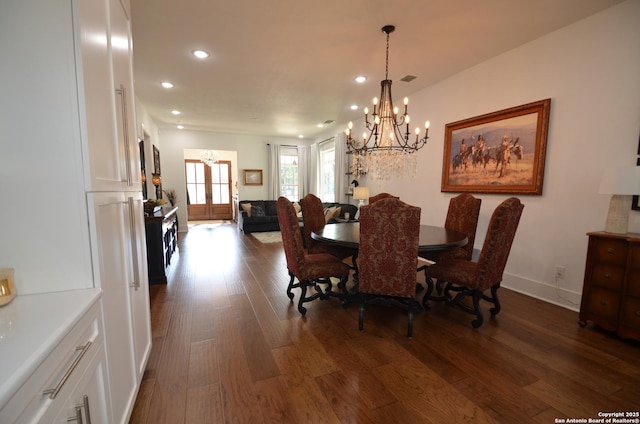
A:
51	383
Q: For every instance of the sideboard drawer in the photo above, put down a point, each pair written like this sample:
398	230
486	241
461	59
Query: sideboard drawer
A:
606	305
610	251
608	276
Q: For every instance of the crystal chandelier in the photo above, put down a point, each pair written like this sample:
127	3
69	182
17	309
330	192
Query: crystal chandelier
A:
209	157
387	149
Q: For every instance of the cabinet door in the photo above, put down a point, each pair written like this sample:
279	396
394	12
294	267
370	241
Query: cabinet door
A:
122	63
111	244
88	400
139	290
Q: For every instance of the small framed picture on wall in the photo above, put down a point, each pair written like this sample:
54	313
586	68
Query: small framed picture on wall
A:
253	177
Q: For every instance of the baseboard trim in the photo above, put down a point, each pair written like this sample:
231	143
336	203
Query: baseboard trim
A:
542	291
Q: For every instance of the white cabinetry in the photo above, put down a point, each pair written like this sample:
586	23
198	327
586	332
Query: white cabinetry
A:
53	358
70	168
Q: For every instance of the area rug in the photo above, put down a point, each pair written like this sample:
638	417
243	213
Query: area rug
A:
268	237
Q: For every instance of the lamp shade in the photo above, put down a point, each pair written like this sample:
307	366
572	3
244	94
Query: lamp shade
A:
621	180
361	193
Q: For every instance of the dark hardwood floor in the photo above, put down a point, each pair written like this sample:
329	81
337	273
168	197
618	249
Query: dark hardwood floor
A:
228	346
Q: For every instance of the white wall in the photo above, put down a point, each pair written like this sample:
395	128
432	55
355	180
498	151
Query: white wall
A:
591	71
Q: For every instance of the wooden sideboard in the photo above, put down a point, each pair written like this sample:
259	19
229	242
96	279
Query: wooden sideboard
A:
611	291
162	242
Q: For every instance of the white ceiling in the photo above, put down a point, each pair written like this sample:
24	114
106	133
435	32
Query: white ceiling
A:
278	68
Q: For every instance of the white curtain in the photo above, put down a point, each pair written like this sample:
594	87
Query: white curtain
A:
342	167
304	157
273	183
312	174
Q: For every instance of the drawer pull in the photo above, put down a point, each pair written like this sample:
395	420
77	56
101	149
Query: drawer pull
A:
78	417
607	276
603	302
54	392
78	409
611	250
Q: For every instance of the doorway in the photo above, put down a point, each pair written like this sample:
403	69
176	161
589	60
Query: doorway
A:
208	190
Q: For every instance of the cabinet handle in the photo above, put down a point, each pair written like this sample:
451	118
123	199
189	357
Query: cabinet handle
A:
607	276
54	392
78	416
125	130
134	252
78	408
611	250
603	302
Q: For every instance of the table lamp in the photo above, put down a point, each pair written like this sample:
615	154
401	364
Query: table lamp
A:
622	183
360	194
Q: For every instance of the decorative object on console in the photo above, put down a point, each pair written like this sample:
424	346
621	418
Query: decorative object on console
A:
171	196
157	181
360	194
386	151
7	286
622	183
209	157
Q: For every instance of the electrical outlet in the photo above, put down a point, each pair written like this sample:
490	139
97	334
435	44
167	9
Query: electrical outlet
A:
560	270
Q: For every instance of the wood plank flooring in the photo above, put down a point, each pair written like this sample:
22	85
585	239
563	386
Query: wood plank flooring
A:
229	347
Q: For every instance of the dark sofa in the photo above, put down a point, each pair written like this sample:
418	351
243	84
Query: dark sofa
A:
265	218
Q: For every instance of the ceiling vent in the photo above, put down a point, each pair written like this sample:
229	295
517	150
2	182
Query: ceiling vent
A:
329	121
408	78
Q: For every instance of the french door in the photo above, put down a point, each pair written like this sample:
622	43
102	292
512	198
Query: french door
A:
208	190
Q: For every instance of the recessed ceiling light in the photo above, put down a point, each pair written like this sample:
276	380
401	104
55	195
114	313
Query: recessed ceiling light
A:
320	125
353	107
360	79
175	112
180	127
300	136
200	54
167	84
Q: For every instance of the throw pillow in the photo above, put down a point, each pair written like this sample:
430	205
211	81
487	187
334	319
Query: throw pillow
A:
257	211
331	213
297	207
247	208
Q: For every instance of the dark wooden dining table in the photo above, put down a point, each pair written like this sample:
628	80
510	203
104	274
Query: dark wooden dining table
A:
432	238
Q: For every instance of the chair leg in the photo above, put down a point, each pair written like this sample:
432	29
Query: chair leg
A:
410	324
302	299
494	299
290	286
361	315
476	323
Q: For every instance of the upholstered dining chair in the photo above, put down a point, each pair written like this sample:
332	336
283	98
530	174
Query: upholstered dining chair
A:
313	220
474	278
388	256
311	270
380	196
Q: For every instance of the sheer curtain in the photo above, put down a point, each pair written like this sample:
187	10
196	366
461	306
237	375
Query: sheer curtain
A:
342	167
304	157
311	171
273	183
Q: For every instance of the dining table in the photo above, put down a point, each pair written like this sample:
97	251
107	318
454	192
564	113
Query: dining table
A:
432	238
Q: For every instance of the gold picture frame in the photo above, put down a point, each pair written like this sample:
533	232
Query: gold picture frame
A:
500	152
253	177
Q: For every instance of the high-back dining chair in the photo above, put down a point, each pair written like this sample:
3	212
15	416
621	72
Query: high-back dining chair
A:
313	220
380	196
311	270
474	278
388	256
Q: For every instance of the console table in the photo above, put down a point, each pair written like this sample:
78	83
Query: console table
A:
162	242
611	292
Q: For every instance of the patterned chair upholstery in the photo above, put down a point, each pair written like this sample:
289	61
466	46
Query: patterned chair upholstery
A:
380	196
388	256
473	278
314	220
310	269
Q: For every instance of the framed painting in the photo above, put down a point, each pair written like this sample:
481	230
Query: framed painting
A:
253	177
499	152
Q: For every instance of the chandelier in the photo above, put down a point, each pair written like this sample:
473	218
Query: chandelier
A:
209	157
388	148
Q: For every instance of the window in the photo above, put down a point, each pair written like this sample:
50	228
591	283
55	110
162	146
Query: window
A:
289	181
328	171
